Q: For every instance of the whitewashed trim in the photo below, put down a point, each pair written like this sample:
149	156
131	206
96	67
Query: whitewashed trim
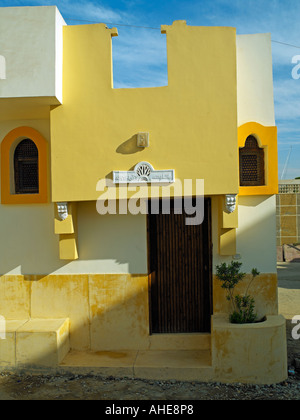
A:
144	173
230	201
62	210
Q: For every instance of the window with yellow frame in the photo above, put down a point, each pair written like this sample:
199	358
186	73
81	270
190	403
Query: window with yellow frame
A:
24	165
262	175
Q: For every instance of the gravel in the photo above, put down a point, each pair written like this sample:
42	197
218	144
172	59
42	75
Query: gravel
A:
87	387
17	386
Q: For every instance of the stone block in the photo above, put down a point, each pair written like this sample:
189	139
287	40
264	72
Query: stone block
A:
288	199
42	343
288	226
8	344
288	210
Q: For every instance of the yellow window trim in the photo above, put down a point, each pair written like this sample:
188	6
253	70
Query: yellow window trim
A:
267	138
41	143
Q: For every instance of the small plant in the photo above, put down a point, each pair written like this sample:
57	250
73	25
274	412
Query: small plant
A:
243	306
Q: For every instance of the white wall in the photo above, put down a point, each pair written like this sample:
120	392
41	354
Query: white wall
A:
31	43
59	24
2	67
256	235
255	79
28	244
109	244
117	244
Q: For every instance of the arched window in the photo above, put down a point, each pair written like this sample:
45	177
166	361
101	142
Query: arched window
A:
252	163
26	168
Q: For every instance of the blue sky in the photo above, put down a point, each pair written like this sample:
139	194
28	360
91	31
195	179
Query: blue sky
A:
140	57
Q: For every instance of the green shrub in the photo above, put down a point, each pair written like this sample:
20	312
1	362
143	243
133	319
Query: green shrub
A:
242	306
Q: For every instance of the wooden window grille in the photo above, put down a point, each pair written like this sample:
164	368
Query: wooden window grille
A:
252	163
26	168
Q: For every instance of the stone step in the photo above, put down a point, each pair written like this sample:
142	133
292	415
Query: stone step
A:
34	343
180	341
147	364
181	365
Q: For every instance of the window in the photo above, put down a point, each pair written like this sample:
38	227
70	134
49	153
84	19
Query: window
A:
264	140
26	168
252	165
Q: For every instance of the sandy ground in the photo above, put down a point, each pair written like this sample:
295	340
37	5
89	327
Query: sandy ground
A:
79	387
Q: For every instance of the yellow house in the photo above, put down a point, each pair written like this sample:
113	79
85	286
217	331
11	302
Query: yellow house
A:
117	204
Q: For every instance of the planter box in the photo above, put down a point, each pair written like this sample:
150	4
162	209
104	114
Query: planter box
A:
249	353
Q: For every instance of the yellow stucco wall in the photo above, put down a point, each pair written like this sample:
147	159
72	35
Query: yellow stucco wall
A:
106	311
192	122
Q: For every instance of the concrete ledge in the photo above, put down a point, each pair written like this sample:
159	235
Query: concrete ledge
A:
249	353
42	342
8	345
34	343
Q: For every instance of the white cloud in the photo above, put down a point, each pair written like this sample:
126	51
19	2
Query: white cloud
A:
86	10
140	58
287	98
91	11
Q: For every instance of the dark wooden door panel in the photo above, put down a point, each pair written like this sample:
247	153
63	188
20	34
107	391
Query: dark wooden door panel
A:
180	273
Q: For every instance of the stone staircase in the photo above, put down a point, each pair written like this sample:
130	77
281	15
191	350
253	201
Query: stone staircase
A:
177	356
43	345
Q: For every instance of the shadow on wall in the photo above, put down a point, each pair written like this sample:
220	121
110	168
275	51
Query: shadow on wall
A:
106	244
256	244
256	235
106	312
28	244
129	146
114	243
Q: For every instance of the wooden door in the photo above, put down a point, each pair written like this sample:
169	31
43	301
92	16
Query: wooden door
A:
180	273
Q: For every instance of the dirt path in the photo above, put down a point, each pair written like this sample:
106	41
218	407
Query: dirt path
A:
94	388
